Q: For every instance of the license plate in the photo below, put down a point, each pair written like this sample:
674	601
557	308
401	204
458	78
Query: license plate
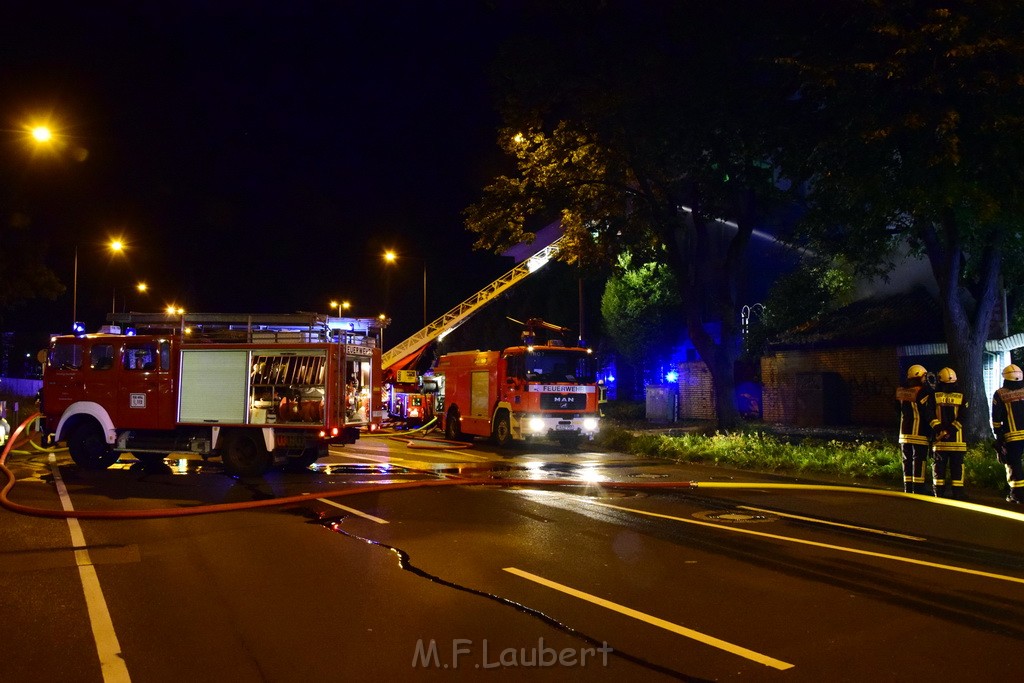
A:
565	428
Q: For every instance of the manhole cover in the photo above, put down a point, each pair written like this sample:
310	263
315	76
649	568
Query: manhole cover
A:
734	516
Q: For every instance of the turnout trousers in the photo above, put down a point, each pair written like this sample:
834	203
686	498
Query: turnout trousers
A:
948	463
1015	471
915	459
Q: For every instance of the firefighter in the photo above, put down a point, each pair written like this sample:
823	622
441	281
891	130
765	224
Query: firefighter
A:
1008	425
915	401
948	445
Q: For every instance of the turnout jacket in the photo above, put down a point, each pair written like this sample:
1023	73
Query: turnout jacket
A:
950	408
1008	412
916	406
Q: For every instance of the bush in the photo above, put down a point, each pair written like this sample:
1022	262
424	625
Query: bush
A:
625	411
868	459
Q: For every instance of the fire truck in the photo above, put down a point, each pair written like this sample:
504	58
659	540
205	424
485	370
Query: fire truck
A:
409	400
255	390
413	397
547	391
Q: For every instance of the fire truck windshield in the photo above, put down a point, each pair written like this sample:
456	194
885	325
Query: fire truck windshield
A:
560	366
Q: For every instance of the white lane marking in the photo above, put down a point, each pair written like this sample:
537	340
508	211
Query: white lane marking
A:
839	524
112	665
354	511
829	546
655	621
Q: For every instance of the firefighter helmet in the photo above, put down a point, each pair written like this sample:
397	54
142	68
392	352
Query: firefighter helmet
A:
916	372
1013	373
947	375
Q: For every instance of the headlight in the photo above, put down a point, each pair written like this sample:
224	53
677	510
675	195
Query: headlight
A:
536	425
590	424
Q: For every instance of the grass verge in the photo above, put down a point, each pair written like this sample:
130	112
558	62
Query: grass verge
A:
766	452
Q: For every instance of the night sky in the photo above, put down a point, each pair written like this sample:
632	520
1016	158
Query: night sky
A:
257	157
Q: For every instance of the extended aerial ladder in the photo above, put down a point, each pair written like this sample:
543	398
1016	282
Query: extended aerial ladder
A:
458	315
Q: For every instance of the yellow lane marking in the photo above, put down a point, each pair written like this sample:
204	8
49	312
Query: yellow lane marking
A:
927	500
655	621
839	524
829	546
354	511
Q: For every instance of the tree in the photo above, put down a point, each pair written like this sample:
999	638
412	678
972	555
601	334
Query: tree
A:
915	134
815	287
633	124
23	276
640	308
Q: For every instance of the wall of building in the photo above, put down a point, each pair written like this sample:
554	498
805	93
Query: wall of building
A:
831	386
696	392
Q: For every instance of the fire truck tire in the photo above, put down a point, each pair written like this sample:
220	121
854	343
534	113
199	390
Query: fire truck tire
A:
245	455
452	426
502	432
88	448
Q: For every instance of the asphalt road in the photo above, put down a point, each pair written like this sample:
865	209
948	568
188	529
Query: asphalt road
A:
739	578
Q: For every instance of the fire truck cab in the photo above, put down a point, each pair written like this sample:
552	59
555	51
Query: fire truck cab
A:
521	393
252	393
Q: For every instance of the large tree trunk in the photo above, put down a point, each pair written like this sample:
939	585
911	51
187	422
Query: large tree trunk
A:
966	330
707	262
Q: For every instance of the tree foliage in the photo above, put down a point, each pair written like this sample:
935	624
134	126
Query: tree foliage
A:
915	134
641	311
23	275
633	124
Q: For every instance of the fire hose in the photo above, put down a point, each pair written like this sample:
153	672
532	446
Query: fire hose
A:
21	432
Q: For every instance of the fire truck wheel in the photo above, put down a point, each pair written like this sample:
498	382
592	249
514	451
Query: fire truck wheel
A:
88	448
245	455
502	433
452	428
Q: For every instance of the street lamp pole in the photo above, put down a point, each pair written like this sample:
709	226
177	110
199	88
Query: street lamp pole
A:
392	257
74	290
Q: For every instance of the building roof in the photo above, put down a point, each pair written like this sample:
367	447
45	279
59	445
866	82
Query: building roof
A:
903	319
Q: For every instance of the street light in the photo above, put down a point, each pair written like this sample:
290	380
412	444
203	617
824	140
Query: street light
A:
116	246
392	257
140	287
341	305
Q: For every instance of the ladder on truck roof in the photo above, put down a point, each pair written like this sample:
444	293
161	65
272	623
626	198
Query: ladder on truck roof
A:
458	315
250	327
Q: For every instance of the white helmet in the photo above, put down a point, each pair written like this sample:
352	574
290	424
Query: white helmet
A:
1013	373
947	376
916	372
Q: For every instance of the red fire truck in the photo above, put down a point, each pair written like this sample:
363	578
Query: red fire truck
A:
252	389
522	393
408	400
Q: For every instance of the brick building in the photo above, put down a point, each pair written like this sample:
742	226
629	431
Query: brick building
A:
842	368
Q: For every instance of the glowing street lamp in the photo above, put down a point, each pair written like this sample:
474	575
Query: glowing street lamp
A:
341	305
115	246
392	257
41	134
